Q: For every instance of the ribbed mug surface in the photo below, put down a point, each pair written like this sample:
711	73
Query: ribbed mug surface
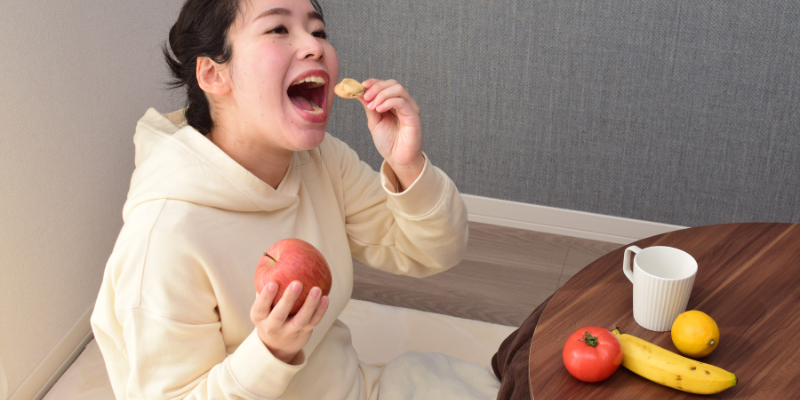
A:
657	302
662	279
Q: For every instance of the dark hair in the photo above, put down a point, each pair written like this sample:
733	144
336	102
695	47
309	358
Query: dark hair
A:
201	31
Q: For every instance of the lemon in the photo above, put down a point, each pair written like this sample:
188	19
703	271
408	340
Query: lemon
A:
695	334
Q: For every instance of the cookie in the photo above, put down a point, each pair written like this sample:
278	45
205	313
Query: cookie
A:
349	89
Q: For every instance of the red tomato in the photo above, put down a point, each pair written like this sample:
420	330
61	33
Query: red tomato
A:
592	354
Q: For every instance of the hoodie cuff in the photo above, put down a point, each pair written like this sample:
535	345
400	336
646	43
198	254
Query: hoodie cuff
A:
257	370
422	197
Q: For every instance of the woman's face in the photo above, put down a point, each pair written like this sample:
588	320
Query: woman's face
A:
282	74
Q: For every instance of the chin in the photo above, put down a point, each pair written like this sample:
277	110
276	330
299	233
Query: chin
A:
310	138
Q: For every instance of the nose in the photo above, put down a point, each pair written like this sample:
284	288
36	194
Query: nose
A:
311	48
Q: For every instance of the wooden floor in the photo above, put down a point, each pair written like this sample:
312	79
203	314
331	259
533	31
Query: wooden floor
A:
504	275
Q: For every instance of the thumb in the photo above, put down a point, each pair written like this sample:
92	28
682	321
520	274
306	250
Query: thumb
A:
373	117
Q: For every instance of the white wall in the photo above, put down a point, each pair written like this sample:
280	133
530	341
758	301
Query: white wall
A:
75	76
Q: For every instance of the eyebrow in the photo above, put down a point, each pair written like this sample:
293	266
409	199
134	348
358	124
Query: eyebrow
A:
286	12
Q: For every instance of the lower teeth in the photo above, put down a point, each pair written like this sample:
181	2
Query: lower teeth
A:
316	110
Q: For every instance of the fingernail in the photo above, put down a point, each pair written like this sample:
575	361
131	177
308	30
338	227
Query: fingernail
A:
315	292
371	105
272	287
295	286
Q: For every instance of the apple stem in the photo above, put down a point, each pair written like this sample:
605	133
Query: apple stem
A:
270	257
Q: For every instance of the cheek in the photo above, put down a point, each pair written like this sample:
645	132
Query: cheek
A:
261	75
332	64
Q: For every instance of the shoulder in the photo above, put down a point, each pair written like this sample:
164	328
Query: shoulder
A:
157	253
164	220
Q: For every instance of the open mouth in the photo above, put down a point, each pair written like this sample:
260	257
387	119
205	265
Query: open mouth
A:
308	94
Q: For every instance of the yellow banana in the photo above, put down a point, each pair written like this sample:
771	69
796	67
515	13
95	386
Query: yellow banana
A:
670	369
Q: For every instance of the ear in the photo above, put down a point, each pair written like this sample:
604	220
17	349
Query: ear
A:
213	78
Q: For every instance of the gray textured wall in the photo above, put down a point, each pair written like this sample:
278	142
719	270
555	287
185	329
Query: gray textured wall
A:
682	112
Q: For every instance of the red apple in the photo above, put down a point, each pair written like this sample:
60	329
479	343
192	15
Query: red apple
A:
291	260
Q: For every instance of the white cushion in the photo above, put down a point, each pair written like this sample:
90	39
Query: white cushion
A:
380	333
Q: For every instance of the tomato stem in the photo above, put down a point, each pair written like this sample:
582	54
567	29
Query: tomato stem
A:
589	339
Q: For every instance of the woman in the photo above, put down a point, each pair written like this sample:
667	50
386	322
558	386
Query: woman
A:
246	164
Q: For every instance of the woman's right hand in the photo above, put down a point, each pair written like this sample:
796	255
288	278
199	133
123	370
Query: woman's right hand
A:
285	336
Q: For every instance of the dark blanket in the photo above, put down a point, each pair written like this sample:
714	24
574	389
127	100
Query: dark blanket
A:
510	363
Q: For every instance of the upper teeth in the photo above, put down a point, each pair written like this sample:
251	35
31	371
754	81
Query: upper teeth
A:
316	81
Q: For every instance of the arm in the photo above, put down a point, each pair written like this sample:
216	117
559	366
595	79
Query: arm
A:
411	219
158	326
168	358
418	232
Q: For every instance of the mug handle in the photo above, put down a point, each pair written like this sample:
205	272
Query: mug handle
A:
626	261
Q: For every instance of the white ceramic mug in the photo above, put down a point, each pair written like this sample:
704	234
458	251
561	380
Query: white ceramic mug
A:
662	280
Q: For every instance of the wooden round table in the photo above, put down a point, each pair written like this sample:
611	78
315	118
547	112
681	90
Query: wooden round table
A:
748	280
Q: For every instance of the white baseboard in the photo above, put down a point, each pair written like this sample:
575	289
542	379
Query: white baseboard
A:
3	383
45	375
561	221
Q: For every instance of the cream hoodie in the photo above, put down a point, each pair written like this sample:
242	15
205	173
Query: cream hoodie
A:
172	315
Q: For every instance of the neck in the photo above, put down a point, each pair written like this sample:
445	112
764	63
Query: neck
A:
267	164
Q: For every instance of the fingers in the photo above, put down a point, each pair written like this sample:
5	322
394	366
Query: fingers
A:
309	314
281	310
285	336
378	92
403	107
313	308
319	312
263	304
373	117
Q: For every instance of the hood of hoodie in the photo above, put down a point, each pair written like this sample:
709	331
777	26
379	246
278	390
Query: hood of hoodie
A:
175	161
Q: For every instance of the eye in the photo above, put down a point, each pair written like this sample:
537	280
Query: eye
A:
279	30
320	34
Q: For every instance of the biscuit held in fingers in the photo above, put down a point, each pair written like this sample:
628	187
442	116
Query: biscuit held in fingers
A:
349	89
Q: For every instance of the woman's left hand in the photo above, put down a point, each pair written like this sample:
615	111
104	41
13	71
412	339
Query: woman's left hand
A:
393	118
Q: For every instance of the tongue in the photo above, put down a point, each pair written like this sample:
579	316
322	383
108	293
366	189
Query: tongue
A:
302	103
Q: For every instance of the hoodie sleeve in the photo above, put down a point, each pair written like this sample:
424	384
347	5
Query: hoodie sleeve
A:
159	328
419	232
174	359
